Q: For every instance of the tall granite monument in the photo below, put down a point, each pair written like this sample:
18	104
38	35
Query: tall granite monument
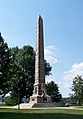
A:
39	94
39	97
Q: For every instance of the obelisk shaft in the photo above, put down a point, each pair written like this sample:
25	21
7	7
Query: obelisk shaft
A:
39	95
39	58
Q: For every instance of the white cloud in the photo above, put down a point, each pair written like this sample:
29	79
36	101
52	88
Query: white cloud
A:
50	54
77	69
66	85
65	88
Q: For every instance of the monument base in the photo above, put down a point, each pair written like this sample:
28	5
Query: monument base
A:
40	99
46	105
39	105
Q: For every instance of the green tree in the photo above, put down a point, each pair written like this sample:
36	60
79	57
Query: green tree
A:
23	71
48	68
5	58
53	91
77	88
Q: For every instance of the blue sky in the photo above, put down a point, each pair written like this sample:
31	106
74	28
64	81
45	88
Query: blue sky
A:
63	34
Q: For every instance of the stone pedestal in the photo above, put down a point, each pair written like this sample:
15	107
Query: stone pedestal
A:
40	99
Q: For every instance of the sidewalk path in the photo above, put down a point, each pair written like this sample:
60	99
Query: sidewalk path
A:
16	107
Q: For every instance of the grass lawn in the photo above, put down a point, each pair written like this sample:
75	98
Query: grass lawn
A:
41	114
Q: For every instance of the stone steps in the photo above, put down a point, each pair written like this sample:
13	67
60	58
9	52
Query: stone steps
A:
38	105
41	105
26	105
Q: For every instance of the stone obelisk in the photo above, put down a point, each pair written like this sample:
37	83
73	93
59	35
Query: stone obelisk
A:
39	95
39	59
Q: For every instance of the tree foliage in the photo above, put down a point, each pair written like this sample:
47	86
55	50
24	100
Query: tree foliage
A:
5	58
48	68
77	87
53	91
17	70
23	71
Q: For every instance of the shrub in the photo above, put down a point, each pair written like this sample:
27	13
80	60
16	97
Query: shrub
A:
11	101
